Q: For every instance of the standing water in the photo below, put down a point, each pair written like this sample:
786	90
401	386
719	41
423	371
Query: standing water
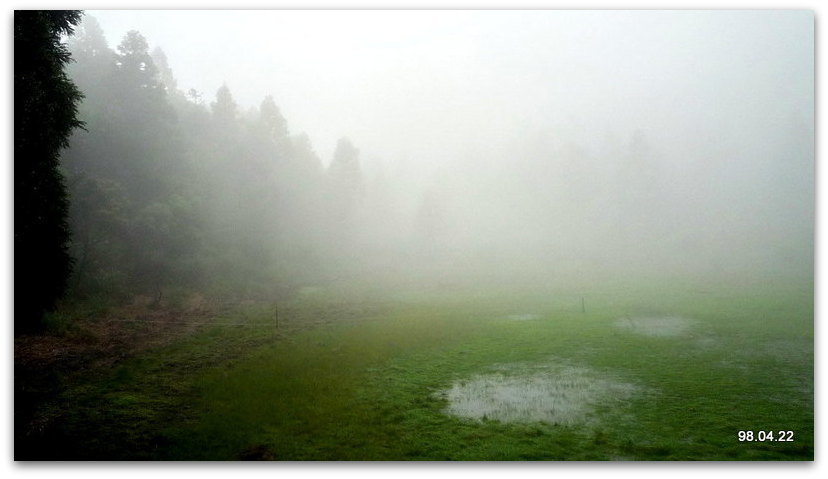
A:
561	395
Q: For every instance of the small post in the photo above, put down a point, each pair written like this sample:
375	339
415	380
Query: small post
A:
583	305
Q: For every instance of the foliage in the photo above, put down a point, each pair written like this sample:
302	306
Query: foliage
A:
45	112
170	192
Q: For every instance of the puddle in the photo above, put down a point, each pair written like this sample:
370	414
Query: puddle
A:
523	317
657	326
707	342
560	395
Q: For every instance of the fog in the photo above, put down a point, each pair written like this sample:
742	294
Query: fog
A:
481	145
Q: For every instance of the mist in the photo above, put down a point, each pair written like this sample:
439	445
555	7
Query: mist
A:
545	143
414	235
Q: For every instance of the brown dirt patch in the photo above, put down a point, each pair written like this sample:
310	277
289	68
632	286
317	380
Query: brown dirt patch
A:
104	338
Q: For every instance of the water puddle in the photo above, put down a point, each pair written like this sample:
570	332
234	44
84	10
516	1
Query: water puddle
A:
666	326
554	394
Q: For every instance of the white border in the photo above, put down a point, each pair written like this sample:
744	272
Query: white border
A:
370	470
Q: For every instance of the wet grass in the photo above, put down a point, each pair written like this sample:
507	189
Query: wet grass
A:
368	387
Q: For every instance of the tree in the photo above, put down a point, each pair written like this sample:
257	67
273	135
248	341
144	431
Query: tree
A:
135	63
305	156
165	73
100	216
225	110
45	113
344	167
89	40
273	123
138	79
344	186
93	61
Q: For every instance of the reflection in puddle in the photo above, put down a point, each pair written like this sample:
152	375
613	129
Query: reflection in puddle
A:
560	395
659	326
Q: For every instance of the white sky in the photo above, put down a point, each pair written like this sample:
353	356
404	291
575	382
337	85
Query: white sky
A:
432	86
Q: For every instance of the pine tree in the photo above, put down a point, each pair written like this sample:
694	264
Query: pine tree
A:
45	113
344	184
273	123
225	110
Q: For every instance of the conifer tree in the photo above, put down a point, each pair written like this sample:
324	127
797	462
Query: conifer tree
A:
45	113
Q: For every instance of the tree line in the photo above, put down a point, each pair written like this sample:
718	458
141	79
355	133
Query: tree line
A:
161	190
169	190
166	190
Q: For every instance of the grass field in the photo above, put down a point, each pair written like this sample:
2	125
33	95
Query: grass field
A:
369	377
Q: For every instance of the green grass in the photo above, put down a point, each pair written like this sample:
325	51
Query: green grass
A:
364	388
